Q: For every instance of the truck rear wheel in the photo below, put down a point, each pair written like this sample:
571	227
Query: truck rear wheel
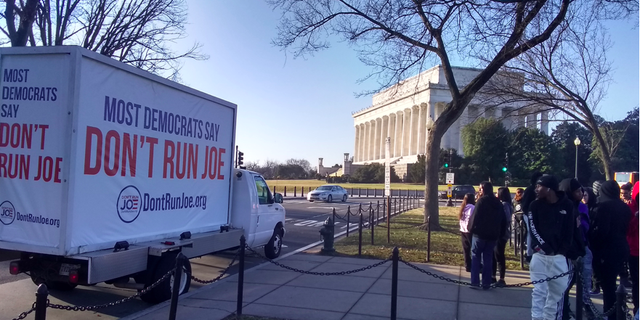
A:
274	246
163	291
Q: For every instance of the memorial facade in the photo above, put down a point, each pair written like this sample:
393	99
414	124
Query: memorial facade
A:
404	112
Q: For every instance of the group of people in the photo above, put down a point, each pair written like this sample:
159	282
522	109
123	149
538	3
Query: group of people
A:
567	225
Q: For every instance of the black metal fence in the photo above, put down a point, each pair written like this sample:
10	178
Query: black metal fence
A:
352	192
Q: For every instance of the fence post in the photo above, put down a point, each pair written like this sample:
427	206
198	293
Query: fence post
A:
360	236
367	192
243	243
176	286
372	227
621	295
579	288
377	213
394	283
359	192
388	210
428	238
274	189
348	219
41	302
285	191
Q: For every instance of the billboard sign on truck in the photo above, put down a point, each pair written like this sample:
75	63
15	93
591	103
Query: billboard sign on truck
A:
124	155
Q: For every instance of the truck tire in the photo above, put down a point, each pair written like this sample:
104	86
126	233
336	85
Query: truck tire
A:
274	246
163	291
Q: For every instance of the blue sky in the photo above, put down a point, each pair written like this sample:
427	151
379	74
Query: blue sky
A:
301	108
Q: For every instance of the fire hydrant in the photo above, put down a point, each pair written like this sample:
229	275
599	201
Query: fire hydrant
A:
327	232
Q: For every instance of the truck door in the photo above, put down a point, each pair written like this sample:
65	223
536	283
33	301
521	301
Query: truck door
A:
268	212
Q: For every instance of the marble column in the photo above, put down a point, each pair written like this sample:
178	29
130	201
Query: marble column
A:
383	135
544	122
357	140
391	133
406	132
422	127
399	123
412	136
367	139
376	139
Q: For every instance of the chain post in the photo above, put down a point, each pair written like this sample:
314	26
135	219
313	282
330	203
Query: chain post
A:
372	227
274	189
579	288
359	192
295	191
621	295
302	192
360	236
370	218
285	191
243	244
348	219
394	283
41	302
176	286
367	192
388	219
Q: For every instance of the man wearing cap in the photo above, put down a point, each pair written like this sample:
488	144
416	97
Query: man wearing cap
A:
551	225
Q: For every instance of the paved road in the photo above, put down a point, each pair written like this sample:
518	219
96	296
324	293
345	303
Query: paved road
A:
304	220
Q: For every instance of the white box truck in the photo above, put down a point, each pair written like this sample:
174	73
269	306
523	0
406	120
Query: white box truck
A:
108	171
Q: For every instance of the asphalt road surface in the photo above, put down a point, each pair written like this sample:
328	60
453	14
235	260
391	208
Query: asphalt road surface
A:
303	222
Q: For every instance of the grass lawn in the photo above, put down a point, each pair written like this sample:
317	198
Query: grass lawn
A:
446	247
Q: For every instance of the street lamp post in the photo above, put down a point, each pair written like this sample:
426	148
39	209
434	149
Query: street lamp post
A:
577	143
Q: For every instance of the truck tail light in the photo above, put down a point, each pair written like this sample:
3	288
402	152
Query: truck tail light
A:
14	267
73	276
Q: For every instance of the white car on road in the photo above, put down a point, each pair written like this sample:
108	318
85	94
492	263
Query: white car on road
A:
328	193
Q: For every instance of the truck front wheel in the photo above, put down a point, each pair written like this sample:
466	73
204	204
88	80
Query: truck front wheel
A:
274	246
163	291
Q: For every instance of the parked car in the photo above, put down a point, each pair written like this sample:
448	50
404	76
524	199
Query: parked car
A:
457	192
328	193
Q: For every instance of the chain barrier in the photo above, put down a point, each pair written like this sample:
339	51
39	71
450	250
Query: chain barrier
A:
114	303
495	285
26	313
602	315
196	279
338	273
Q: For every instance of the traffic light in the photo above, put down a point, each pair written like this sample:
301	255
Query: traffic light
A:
506	162
240	158
446	165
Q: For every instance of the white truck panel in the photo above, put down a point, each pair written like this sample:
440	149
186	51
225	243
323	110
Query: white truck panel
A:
34	126
136	155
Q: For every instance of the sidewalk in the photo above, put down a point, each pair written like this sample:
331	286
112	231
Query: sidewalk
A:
272	291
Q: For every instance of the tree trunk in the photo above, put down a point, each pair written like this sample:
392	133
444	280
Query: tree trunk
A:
605	157
431	213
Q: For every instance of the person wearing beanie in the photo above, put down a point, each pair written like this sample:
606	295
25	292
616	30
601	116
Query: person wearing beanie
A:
579	248
530	192
551	226
607	237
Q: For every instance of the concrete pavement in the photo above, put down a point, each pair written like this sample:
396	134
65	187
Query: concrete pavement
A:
272	291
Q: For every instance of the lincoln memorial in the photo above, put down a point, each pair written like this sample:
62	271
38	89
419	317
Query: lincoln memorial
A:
404	111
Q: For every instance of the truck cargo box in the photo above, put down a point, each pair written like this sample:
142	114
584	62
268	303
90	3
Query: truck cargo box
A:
93	152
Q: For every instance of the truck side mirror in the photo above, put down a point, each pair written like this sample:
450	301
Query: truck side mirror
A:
278	198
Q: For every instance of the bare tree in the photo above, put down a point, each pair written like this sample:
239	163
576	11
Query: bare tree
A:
570	73
137	32
399	38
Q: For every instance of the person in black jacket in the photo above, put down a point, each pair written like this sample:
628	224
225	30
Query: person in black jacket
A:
607	237
551	225
486	224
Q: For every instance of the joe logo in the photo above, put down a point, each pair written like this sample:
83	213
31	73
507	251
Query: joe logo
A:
8	213
128	204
